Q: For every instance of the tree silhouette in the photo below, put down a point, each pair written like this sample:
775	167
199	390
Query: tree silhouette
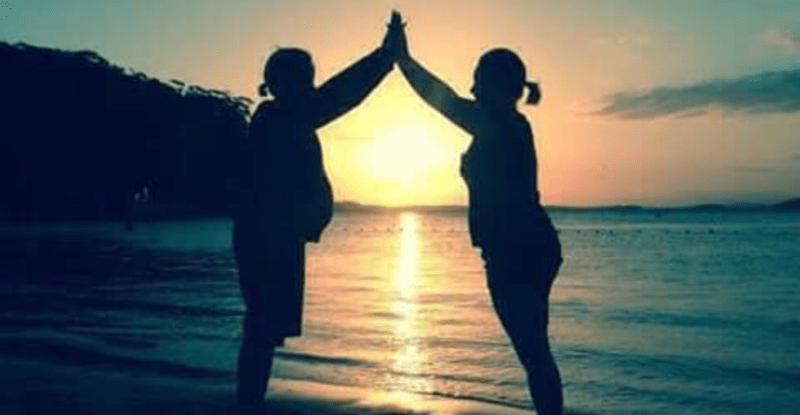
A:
80	136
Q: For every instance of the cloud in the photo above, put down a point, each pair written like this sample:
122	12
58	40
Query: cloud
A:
635	40
764	93
753	169
790	41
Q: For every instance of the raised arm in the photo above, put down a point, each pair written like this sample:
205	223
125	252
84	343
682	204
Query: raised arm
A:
349	87
439	95
434	91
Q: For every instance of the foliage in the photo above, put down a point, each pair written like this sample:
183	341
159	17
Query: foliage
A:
79	136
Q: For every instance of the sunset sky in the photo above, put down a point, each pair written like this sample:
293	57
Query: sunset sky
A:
650	102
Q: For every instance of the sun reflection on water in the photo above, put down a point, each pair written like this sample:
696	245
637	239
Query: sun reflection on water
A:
410	358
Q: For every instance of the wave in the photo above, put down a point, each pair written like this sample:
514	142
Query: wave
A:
458	378
60	301
323	359
702	320
687	368
59	352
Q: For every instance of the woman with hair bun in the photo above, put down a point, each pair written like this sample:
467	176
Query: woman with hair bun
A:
286	200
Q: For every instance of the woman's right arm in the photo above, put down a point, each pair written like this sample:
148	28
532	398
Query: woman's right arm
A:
439	95
431	89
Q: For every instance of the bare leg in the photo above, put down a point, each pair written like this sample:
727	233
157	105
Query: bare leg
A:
256	351
254	367
262	327
544	380
523	310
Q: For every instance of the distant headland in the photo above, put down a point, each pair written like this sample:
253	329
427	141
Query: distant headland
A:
84	138
787	205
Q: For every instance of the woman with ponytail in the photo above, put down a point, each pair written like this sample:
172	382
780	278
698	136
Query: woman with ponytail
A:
518	243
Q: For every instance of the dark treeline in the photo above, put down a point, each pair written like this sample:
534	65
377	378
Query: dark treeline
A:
80	137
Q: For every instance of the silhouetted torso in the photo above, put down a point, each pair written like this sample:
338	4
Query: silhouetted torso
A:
499	168
286	194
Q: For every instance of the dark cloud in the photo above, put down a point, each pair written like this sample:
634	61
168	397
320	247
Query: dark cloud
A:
764	93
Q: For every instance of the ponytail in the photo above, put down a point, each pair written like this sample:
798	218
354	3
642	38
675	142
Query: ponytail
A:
534	94
263	90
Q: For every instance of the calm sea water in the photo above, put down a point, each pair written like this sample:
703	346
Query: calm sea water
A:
652	313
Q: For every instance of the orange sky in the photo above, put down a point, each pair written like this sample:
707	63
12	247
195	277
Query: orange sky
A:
394	150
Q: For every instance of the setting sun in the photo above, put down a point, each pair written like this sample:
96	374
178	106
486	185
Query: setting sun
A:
394	150
404	152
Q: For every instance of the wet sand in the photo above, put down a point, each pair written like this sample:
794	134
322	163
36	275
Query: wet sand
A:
35	387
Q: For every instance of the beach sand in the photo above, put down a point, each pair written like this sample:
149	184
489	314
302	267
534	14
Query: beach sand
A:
36	387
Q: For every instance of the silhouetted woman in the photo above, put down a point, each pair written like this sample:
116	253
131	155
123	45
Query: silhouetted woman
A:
286	200
518	243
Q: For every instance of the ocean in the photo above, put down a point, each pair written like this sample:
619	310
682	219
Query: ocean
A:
653	312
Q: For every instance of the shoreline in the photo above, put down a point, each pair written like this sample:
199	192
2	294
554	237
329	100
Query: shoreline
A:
34	387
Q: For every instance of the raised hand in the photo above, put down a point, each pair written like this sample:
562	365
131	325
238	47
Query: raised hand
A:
395	42
402	40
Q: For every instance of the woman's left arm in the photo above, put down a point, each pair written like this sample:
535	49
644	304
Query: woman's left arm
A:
349	87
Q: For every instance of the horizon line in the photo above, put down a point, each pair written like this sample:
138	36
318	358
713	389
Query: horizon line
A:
643	206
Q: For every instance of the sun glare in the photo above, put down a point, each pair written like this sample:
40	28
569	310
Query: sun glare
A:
404	153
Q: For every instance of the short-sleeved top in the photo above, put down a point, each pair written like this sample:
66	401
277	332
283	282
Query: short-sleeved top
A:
499	168
285	192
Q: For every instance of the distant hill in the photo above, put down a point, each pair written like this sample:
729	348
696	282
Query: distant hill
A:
603	208
354	207
711	207
791	204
